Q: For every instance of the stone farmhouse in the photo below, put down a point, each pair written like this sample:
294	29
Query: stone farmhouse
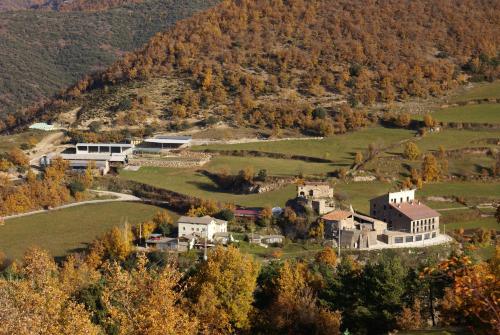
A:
319	196
355	231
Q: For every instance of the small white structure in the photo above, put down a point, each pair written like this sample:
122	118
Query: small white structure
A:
43	126
203	227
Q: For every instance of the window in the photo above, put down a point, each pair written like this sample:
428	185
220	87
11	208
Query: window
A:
401	200
418	238
398	240
82	148
93	149
375	205
433	234
407	199
409	239
433	220
311	193
116	150
183	228
427	236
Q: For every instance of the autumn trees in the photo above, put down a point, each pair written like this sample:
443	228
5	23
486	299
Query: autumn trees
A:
473	294
37	301
222	291
49	190
269	65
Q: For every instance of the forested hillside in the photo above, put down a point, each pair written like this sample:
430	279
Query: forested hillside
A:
6	5
63	5
57	48
271	62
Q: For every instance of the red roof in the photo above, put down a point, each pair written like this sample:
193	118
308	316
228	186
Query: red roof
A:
337	215
415	210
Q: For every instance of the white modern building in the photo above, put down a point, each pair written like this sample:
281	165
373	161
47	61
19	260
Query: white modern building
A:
200	227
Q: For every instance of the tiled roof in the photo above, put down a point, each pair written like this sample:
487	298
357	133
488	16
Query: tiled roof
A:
336	215
415	210
197	220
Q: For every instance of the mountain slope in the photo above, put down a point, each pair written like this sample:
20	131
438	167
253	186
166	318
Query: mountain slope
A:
57	48
271	62
6	5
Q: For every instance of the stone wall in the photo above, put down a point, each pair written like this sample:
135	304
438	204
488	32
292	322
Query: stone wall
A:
183	159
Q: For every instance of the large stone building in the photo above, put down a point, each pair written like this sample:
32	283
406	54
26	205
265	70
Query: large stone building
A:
408	219
319	196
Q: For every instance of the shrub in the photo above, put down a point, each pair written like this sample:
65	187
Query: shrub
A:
76	187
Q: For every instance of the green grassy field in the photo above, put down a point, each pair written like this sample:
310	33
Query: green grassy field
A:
64	230
454	139
478	91
290	250
485	223
483	113
274	167
339	148
188	181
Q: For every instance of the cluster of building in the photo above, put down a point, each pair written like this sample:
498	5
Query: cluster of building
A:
101	156
395	218
201	232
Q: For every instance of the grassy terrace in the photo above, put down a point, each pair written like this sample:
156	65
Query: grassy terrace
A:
485	223
482	113
68	229
479	91
340	148
448	139
188	181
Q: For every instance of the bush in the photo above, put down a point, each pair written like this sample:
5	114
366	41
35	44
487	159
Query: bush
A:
95	126
225	214
76	187
262	175
319	113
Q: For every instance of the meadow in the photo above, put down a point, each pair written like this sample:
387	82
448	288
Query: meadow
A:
339	148
481	113
478	91
190	182
66	230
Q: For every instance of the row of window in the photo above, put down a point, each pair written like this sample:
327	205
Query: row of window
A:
418	238
192	229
